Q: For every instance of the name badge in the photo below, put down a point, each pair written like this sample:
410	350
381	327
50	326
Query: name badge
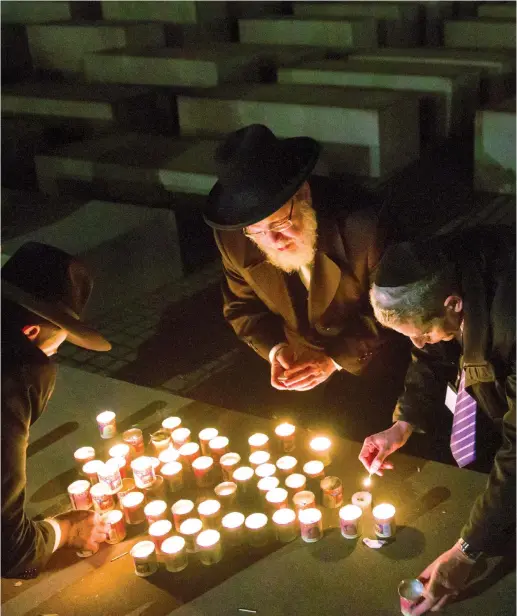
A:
450	397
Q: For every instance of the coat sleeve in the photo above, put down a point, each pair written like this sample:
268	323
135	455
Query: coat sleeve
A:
248	316
493	513
26	544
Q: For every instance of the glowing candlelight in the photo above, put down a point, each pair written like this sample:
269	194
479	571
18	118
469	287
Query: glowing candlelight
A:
102	497
286	464
226	493
233	527
367	482
168	455
109	474
256	523
144	557
174	553
295	483
116	526
384	519
304	500
242	477
159	531
266	484
265	470
181	510
203	468
106	422
190	529
180	436
161	439
277	498
155	510
91	470
258	441
172	472
311	525
84	455
209	547
205	436
143	471
259	457
171	423
218	446
349	521
135	439
122	450
285	433
79	493
133	507
121	464
286	528
229	462
209	512
320	446
188	453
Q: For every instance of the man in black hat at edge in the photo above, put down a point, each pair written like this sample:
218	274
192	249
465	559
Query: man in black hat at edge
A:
44	290
296	266
454	297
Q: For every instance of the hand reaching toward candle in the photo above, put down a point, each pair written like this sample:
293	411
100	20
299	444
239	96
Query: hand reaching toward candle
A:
378	447
283	359
443	580
83	530
302	372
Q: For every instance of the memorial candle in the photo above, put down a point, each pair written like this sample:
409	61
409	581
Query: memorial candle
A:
84	455
173	475
106	422
144	558
174	554
384	519
128	485
233	527
122	450
363	500
116	526
286	465
209	547
159	531
205	436
109	474
79	494
257	530
133	507
188	453
171	423
180	436
91	470
311	525
285	434
320	447
229	462
266	484
181	510
161	440
218	446
295	483
168	455
209	512
143	471
258	441
265	470
242	477
349	521
203	468
259	457
304	500
102	498
121	464
285	523
226	493
155	510
135	439
189	530
277	498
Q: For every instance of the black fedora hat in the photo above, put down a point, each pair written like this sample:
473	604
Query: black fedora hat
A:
54	285
257	174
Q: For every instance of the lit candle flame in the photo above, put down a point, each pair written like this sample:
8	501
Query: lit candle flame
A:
368	481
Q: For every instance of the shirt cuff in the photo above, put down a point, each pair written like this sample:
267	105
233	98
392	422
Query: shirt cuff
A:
275	350
336	365
57	531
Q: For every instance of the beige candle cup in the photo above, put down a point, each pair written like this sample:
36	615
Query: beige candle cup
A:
257	529
209	512
229	462
174	554
219	446
314	469
128	485
320	447
157	490
259	457
209	548
102	498
277	498
188	453
159	531
84	455
121	450
106	421
173	476
266	484
265	470
286	465
294	483
232	526
350	521
189	530
258	441
304	500
109	474
135	439
171	423
91	470
114	520
226	493
168	455
160	440
143	472
384	520
79	494
144	558
181	511
204	474
311	525
286	437
180	436
155	510
205	436
285	525
132	505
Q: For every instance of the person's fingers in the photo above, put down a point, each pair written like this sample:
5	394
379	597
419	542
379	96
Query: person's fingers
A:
438	606
300	379
282	360
387	465
365	455
423	607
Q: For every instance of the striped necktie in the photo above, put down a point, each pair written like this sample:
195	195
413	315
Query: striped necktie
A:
463	436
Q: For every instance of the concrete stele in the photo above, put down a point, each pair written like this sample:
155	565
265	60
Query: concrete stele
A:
480	34
183	12
497	10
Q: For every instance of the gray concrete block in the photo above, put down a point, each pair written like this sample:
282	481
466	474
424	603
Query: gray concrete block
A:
184	11
452	90
383	124
494	153
479	33
397	22
34	11
497	10
62	46
326	32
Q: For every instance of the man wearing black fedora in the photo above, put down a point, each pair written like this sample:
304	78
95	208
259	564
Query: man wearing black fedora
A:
44	291
296	260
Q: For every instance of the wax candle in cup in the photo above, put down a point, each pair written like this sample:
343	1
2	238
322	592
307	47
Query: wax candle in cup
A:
205	436
257	529
180	436
160	440
259	457
285	434
79	494
133	507
144	558
320	447
384	519
294	483
155	463
173	475
121	450
155	510
189	530
171	423
311	524
229	462
242	476
233	527
266	484
121	464
331	492
349	521
128	485
209	512
209	547
91	470
181	510
135	439
314	469
114	520
285	524
363	500
102	498
203	468
218	446
109	474
258	441
168	455
304	500
143	471
188	453
226	493
286	465
107	424
265	470
174	553
84	455
277	498
159	531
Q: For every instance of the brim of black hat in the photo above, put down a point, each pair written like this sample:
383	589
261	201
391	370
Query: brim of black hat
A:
79	333
304	150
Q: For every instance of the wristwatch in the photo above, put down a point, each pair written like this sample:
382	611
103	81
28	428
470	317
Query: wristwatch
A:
467	549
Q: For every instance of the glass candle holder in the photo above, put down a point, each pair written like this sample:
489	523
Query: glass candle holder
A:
384	520
285	525
265	470
233	527
286	465
410	593
109	474
171	423
204	475
159	531
174	554
242	476
133	507
259	457
209	512
168	455
294	483
121	450
188	453
258	441
304	500
160	440
143	472
91	470
84	455
226	493
144	558
257	529
331	492
180	436
320	448
173	475
205	436
209	547
102	498
114	520
79	494
286	437
155	510
229	462
135	439
189	530
266	484
277	498
181	511
349	521
106	421
218	446
311	525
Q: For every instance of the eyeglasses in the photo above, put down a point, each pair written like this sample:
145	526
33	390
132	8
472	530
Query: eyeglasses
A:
275	227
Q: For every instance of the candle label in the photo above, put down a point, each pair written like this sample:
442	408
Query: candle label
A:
112	480
349	528
287	443
107	430
385	528
311	532
103	502
83	500
135	439
145	568
332	492
144	478
116	531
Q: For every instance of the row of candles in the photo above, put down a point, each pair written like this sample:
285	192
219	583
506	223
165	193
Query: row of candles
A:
178	456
